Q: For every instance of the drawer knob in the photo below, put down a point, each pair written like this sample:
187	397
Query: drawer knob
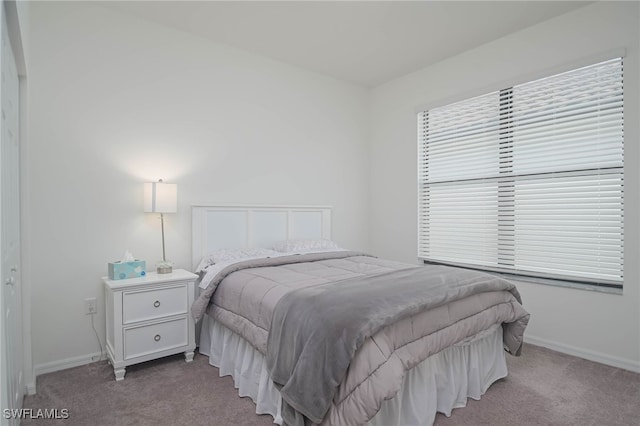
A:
156	303
157	338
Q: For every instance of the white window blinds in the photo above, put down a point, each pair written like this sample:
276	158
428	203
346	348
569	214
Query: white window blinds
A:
528	180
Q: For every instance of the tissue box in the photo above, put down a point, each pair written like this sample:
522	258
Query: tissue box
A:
123	270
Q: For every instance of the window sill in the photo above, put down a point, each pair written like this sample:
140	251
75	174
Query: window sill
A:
560	283
553	282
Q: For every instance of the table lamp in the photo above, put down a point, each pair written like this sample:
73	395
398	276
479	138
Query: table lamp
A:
160	197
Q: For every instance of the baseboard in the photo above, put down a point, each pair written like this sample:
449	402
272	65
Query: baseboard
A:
30	382
611	360
30	388
63	364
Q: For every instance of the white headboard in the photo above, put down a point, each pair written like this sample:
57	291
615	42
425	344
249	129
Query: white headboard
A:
218	227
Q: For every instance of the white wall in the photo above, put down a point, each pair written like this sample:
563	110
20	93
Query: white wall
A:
116	101
600	326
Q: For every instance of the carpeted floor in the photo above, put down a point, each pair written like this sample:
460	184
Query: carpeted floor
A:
543	388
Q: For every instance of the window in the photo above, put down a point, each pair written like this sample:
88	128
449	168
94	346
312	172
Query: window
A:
528	180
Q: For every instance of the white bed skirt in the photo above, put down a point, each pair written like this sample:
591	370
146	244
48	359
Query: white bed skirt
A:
440	383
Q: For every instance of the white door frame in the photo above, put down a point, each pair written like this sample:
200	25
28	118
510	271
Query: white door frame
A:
16	28
12	347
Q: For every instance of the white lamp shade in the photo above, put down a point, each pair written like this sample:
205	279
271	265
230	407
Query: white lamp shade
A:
160	197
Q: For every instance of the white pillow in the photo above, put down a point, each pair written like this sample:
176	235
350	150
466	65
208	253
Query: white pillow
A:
302	246
228	255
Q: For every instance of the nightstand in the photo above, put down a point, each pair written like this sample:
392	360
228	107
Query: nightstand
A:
149	318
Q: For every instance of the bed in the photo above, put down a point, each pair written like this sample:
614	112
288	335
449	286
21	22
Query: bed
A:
414	353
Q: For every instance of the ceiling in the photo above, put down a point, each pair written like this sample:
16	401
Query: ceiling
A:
366	43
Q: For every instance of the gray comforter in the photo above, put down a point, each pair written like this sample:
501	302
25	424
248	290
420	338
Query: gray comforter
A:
243	298
200	305
316	331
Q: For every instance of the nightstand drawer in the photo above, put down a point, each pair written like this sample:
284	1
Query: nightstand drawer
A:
139	341
154	303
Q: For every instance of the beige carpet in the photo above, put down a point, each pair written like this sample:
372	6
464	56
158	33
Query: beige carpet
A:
543	388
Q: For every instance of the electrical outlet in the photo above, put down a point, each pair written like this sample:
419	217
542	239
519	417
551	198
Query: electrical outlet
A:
90	306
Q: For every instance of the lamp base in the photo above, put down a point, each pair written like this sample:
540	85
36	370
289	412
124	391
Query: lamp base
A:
164	268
